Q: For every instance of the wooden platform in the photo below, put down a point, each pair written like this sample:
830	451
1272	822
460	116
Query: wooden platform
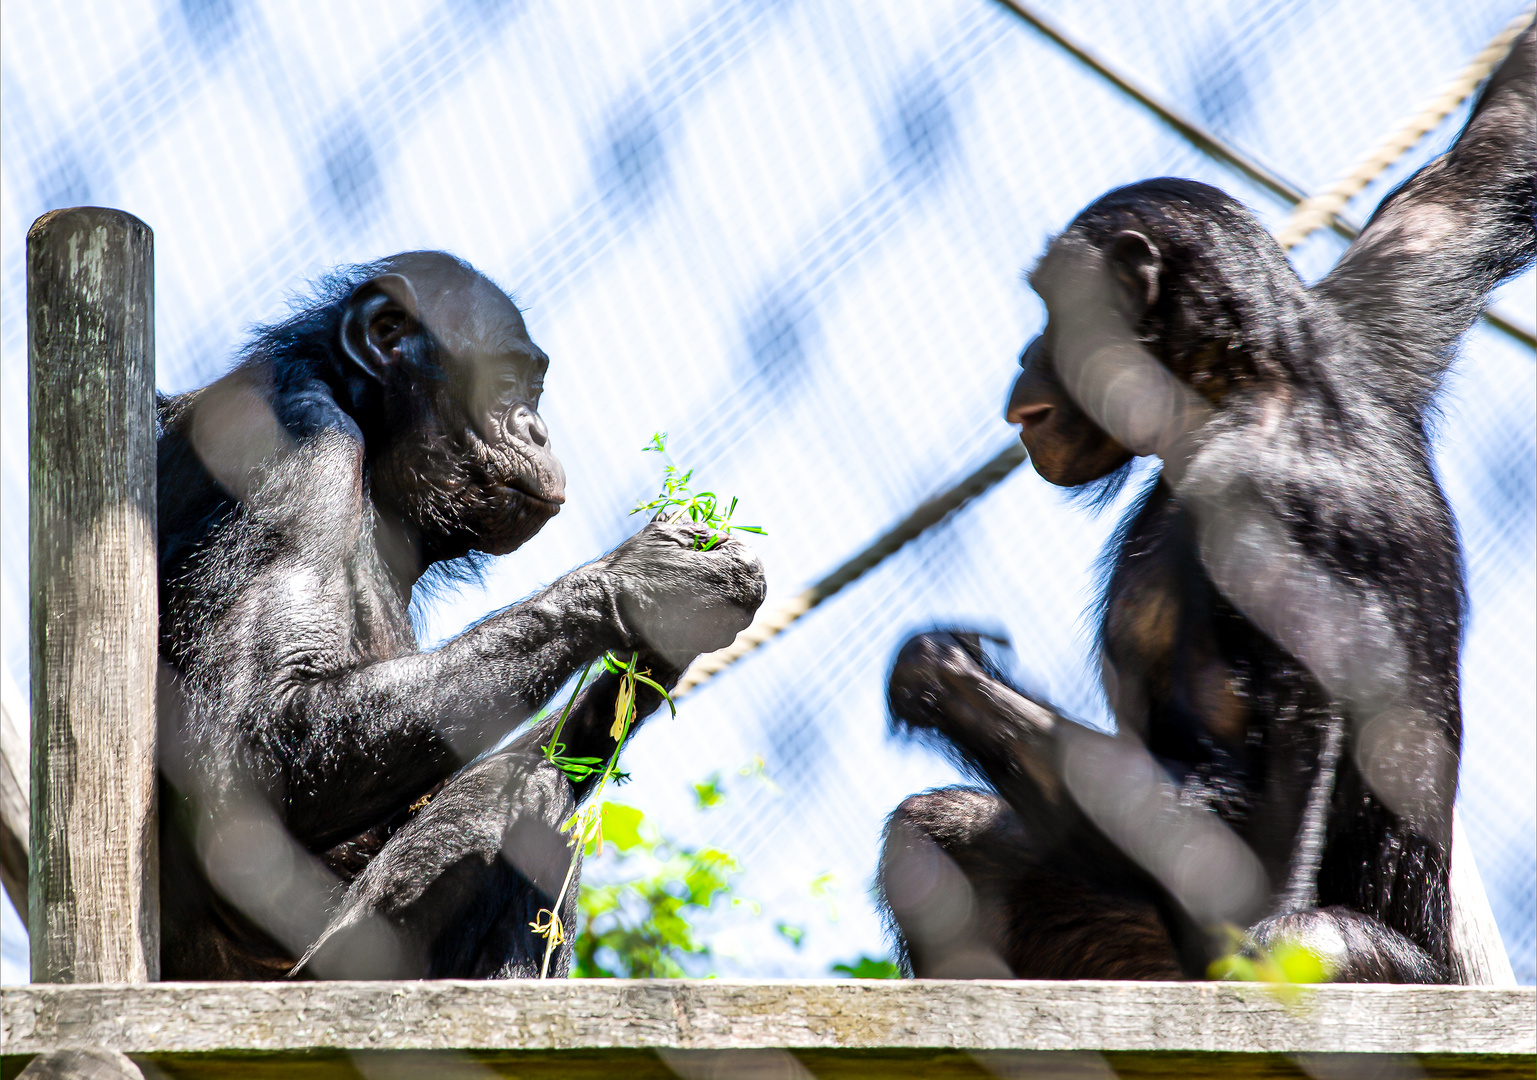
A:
601	1027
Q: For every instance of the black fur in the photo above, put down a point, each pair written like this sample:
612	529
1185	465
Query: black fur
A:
317	798
1309	700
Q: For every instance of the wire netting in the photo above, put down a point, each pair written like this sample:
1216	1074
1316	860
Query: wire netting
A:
790	234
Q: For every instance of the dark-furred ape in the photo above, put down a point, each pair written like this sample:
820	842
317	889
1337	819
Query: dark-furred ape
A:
314	779
1284	608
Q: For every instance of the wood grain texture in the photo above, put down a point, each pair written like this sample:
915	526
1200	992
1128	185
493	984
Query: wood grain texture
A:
848	1065
1478	951
93	882
82	1065
820	1064
590	1014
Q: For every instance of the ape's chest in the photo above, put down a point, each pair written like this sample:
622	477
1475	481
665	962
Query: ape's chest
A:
1173	650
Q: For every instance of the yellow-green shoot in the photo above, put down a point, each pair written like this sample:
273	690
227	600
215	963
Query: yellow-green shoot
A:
677	502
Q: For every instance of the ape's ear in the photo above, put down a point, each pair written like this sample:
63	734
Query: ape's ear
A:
1136	263
380	313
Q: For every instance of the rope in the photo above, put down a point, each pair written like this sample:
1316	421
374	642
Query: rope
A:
1214	146
1320	210
777	618
1310	214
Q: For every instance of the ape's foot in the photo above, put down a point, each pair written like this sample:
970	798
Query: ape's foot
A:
1347	947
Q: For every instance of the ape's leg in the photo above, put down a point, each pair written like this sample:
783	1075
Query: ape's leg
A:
453	892
1066	783
971	894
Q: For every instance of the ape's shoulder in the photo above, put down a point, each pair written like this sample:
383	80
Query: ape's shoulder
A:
310	409
283	461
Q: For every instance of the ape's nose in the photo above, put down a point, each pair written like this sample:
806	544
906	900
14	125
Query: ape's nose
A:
1033	350
529	426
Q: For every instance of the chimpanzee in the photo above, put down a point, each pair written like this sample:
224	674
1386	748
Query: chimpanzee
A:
314	778
1283	611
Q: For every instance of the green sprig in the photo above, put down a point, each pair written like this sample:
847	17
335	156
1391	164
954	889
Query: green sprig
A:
677	502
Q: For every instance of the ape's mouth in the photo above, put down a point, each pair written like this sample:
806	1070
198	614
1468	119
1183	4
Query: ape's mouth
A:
549	502
510	468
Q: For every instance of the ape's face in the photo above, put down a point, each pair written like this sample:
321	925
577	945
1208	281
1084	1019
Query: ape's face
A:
1065	445
468	461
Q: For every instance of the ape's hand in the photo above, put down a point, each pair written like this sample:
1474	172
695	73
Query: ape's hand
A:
679	601
935	672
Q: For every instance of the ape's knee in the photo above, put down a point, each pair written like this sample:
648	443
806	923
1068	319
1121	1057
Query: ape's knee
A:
953	817
935	912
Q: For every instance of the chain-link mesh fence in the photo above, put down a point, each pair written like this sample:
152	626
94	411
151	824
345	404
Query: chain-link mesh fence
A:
790	234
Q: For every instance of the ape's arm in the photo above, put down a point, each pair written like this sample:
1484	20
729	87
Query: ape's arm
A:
341	740
1098	802
941	683
1438	244
374	738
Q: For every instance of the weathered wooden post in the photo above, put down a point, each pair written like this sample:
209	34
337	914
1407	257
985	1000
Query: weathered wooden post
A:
93	884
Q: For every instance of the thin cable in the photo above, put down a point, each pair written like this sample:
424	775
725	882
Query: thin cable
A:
1214	146
1205	140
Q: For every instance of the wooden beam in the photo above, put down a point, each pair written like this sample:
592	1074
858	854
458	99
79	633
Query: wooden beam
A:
1478	951
93	888
845	1015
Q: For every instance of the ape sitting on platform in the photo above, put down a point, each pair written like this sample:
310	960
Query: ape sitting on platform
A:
1282	622
390	426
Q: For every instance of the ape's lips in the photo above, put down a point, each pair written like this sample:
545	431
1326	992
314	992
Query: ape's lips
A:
549	501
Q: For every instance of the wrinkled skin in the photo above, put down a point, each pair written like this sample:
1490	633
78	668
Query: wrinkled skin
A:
390	426
1283	617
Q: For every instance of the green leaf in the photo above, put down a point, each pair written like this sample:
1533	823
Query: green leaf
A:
576	769
621	825
867	967
660	689
710	793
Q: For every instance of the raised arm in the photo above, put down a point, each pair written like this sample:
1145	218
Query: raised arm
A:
1100	803
1436	247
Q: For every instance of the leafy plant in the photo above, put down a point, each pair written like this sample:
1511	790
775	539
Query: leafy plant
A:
867	967
794	933
676	502
643	927
1287	962
586	824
